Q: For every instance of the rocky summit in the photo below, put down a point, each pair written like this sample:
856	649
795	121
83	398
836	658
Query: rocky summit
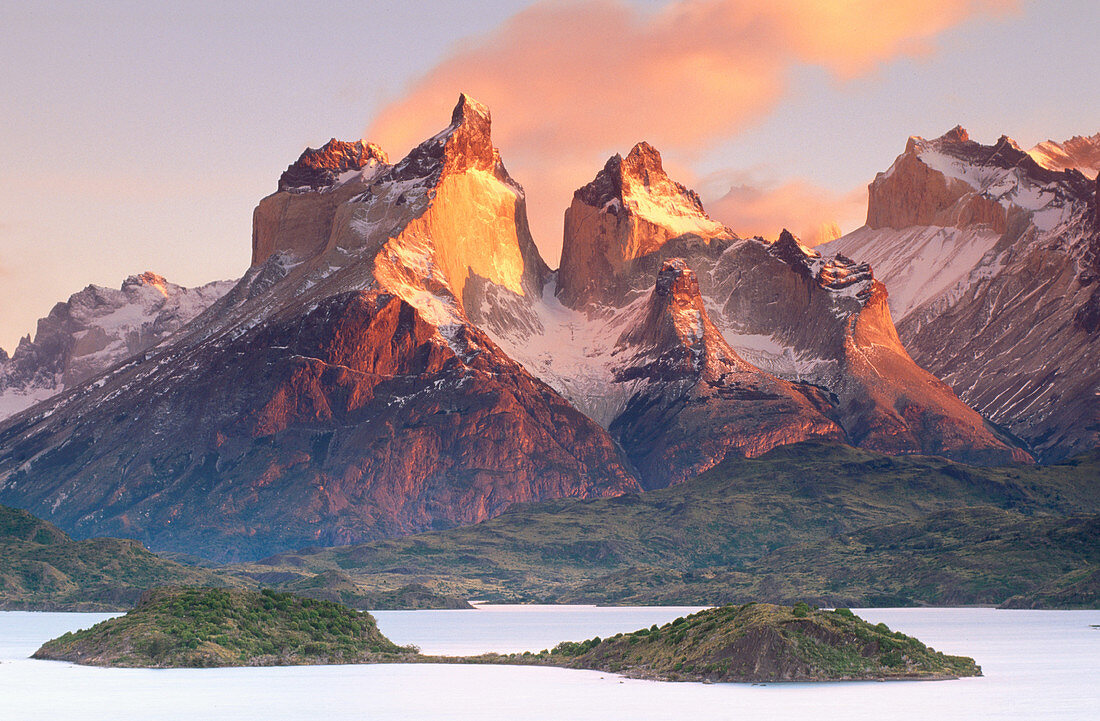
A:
992	260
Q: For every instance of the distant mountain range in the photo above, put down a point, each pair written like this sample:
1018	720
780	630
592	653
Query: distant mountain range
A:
399	357
95	329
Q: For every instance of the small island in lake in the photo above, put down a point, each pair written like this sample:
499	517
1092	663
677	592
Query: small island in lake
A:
197	627
760	642
206	627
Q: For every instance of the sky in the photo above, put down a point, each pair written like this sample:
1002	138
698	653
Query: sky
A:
139	136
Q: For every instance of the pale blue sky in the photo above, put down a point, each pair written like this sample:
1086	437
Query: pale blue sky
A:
139	136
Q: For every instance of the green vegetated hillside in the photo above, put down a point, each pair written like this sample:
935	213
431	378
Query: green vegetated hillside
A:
201	627
42	568
968	556
845	526
761	642
340	588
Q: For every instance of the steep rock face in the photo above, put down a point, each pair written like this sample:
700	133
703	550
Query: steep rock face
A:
95	329
785	309
693	400
337	393
297	219
1001	310
628	212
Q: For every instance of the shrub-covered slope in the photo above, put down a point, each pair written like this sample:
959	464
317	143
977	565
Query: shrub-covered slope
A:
42	568
665	545
762	642
199	627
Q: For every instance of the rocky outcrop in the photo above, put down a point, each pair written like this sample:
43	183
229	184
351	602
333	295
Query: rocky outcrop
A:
95	329
999	304
693	400
624	216
297	219
320	168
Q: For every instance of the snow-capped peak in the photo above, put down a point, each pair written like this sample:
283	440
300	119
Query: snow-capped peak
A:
329	165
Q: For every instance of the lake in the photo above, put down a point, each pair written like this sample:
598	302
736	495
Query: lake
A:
1037	665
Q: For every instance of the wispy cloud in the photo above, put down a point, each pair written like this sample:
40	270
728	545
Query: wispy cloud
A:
813	214
570	82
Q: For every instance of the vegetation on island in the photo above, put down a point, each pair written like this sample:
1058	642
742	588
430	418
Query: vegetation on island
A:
761	642
206	627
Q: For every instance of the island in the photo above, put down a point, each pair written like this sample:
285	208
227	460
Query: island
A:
760	642
174	627
754	642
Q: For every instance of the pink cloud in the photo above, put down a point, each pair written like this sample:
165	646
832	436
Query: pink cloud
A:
815	215
571	82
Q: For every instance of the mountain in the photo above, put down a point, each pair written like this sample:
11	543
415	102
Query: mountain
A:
399	358
95	329
341	391
992	261
693	399
787	314
1078	152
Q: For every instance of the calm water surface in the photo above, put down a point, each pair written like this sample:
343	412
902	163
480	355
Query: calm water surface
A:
1038	665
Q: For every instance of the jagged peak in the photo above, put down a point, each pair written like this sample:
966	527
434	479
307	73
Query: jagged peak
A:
675	315
465	144
319	168
642	160
1079	152
957	134
676	277
788	249
639	184
468	110
146	278
956	157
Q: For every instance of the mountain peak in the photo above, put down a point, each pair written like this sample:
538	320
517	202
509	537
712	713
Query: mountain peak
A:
790	251
468	142
956	134
146	278
468	110
675	316
631	209
1079	152
643	159
318	168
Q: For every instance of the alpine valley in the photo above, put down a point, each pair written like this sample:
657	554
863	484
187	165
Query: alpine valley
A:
400	361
